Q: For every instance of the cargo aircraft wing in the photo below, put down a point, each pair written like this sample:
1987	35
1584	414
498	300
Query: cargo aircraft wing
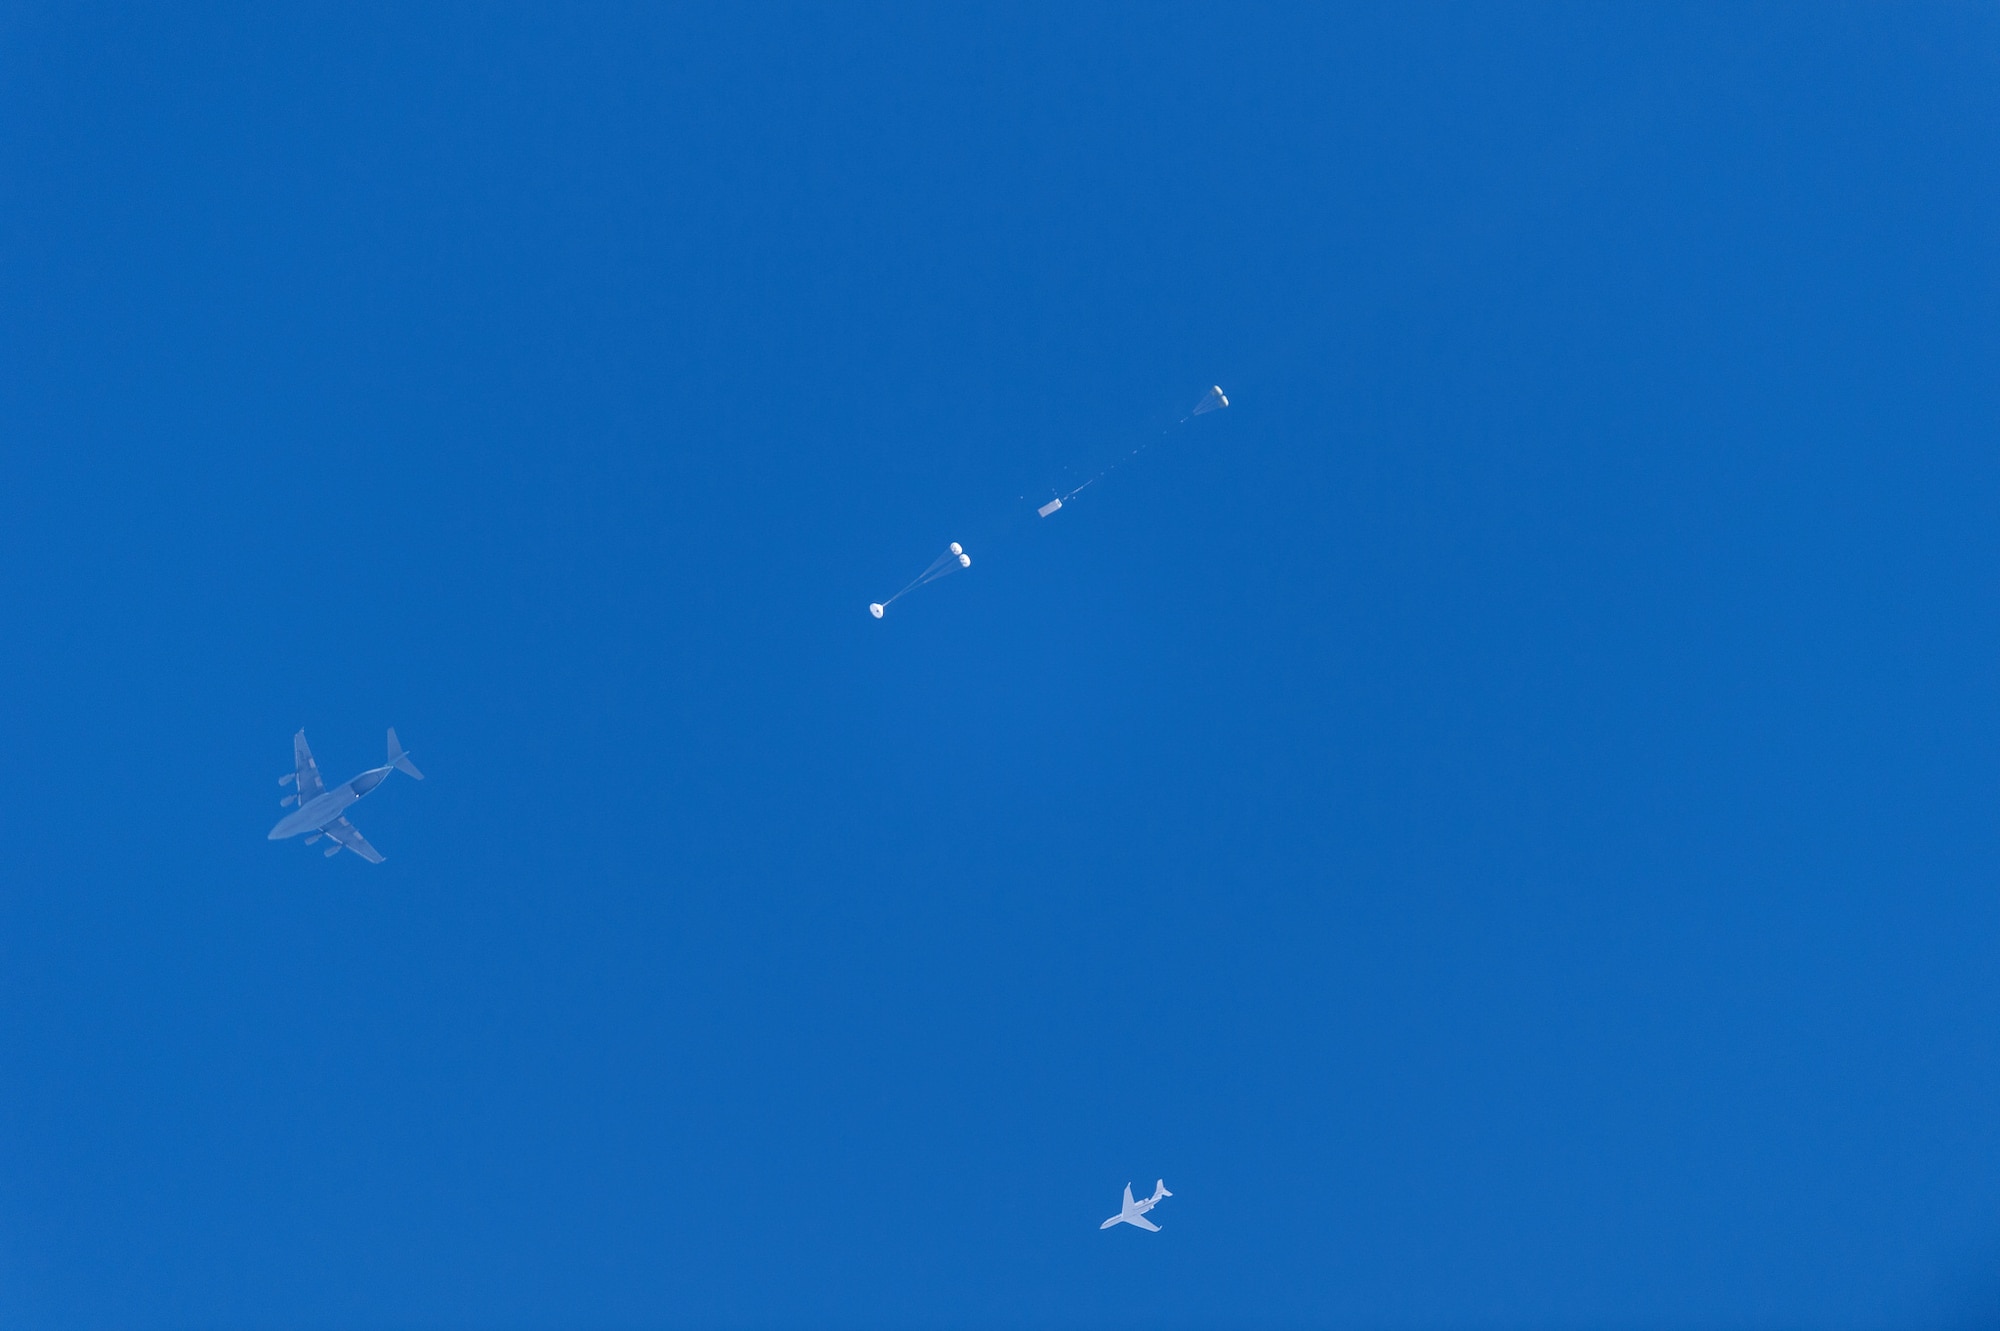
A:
348	835
308	770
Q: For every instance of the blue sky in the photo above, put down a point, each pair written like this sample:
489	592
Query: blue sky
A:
1500	819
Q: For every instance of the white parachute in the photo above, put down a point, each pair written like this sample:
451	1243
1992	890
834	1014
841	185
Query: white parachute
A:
1215	401
951	561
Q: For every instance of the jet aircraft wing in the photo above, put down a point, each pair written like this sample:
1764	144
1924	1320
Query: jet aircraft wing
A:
308	770
1142	1222
348	835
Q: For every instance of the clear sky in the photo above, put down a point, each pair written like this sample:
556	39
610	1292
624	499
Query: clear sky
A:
1501	819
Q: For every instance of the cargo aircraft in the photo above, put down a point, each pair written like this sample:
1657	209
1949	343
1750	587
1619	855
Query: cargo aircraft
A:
323	812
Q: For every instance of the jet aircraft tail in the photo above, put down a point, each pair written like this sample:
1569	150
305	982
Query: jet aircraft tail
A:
399	759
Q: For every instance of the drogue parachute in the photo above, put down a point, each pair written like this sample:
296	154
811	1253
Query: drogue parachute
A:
951	561
1215	401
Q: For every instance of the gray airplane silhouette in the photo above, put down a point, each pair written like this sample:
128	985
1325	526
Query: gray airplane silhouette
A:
323	812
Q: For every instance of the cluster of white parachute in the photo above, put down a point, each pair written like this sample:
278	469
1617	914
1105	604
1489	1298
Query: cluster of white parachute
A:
951	561
954	558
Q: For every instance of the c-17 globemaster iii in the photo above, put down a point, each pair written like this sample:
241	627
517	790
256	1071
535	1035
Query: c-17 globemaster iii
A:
1134	1212
323	812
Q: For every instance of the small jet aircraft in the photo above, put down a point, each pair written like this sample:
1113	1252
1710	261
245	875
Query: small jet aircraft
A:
1134	1212
323	812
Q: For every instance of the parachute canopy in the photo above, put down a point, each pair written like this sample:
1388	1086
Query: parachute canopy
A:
1215	401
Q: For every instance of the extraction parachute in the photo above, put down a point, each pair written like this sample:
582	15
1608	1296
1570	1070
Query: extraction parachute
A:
1215	401
951	561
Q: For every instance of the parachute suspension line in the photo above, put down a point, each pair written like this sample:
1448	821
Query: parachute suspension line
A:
954	558
1069	495
944	564
1214	401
